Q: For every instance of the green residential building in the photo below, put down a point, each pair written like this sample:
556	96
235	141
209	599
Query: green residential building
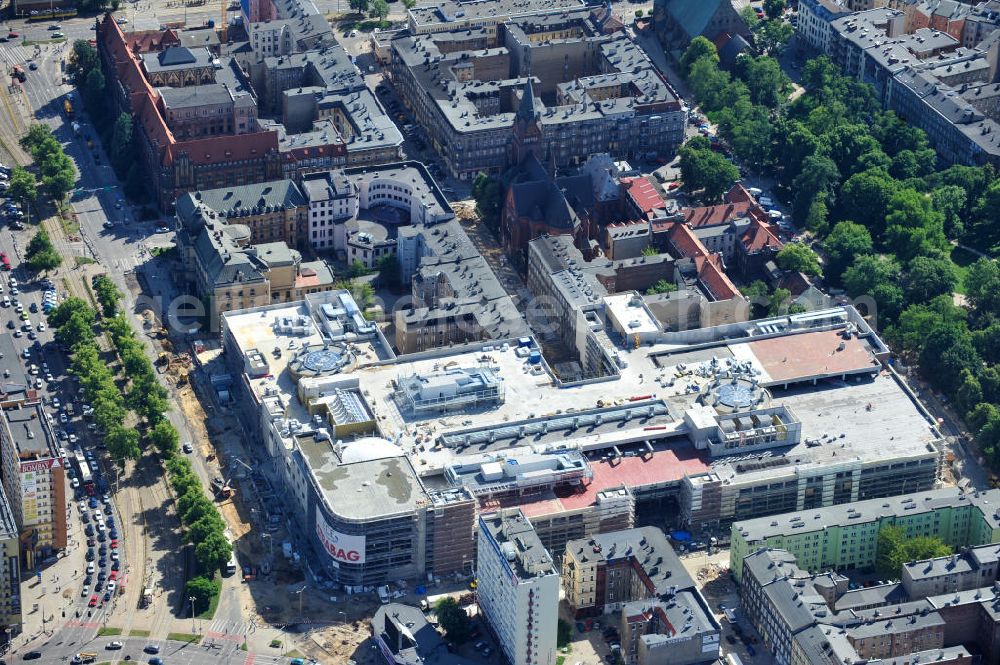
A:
845	536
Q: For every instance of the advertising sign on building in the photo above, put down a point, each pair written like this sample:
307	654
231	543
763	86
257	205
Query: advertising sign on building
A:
40	465
341	546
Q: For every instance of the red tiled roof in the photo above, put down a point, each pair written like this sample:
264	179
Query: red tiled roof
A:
715	215
738	194
760	236
708	265
643	194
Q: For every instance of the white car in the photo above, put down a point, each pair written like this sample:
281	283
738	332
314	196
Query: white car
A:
86	590
82	506
113	646
112	585
90	568
55	402
75	483
41	327
12	281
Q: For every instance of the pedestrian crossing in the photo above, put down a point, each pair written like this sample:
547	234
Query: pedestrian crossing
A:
222	629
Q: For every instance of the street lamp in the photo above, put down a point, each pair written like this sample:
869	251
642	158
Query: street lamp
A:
191	598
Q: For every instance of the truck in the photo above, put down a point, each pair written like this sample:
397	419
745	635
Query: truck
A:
147	597
84	658
19	74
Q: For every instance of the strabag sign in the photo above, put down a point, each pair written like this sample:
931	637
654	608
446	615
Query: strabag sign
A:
341	546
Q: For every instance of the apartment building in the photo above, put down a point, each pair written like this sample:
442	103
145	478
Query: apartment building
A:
34	480
10	575
518	588
969	568
634	576
227	271
456	296
478	93
930	72
814	21
845	536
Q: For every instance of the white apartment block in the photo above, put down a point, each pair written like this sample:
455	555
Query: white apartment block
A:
518	588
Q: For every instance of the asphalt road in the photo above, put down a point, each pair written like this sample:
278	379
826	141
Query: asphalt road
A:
172	653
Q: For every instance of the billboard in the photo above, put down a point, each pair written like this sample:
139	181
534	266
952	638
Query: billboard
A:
40	465
341	546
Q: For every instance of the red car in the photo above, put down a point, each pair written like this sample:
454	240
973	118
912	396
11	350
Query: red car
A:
114	543
4	260
113	575
13	35
93	601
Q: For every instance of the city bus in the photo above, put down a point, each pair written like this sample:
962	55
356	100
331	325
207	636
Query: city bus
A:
86	479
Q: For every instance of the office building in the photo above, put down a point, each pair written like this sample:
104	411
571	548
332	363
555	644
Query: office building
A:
518	588
844	537
34	480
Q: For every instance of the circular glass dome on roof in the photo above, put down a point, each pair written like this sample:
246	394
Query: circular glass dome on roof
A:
730	394
736	395
322	361
319	360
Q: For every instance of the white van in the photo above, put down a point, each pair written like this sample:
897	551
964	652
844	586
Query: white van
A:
755	191
765	202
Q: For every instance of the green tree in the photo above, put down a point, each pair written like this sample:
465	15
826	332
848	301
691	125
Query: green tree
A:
196	507
896	135
798	257
817	219
662	286
982	284
107	294
894	549
83	60
749	16
969	392
205	526
202	590
795	143
121	143
771	36
94	87
123	444
453	618
388	271
913	227
378	9
213	552
706	170
22	185
486	192
699	48
927	277
950	201
774	8
947	351
865	199
913	163
360	6
819	175
848	145
164	437
846	241
987	342
909	333
876	277
62	313
40	254
767	84
984	230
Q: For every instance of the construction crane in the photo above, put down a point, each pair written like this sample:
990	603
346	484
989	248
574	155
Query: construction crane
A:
223	15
